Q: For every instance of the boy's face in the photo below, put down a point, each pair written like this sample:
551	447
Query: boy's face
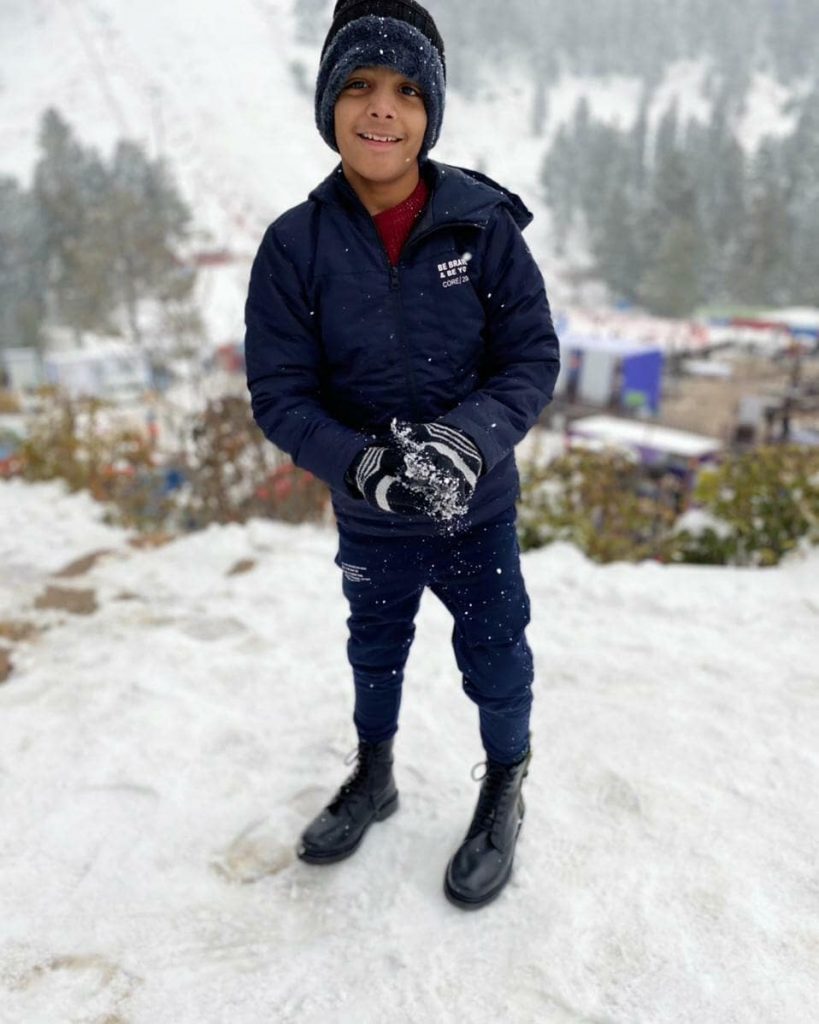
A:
385	105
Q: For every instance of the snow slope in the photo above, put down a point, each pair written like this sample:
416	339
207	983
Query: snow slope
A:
159	757
224	91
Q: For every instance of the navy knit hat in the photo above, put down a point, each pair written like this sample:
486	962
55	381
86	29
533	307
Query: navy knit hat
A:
397	34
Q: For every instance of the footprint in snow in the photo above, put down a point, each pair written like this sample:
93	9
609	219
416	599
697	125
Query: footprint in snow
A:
617	797
256	852
79	984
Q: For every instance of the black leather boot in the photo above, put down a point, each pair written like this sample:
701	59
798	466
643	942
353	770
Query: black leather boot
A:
368	795
481	866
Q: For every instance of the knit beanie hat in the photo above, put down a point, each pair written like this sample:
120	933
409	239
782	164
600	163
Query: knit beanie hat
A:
397	34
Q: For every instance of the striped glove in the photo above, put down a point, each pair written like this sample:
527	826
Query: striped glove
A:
442	461
378	474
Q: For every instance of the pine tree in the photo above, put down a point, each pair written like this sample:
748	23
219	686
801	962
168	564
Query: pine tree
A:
672	285
69	188
617	252
760	273
559	178
111	235
22	269
675	247
719	167
149	224
637	147
540	103
802	155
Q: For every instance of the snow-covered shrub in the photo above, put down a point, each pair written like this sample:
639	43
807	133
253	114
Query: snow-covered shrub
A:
603	502
234	474
749	510
228	472
75	441
762	504
9	402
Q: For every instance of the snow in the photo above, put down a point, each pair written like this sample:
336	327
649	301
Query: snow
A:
632	433
768	111
795	317
633	328
159	757
707	368
683	86
224	93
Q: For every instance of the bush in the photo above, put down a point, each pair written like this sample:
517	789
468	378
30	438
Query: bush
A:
605	503
228	472
71	441
766	502
9	402
750	510
235	474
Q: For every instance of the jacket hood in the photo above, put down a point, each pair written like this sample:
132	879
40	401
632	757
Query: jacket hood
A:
457	195
519	210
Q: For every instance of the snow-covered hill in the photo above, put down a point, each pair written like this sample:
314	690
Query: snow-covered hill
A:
225	92
159	757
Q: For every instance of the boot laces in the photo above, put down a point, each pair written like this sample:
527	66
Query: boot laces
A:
364	755
496	791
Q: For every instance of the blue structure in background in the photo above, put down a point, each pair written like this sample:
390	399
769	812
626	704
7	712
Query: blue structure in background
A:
642	380
610	372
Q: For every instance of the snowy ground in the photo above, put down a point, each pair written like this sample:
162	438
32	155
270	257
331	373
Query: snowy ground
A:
159	757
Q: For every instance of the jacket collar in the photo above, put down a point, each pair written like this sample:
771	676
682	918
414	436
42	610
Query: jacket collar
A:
457	196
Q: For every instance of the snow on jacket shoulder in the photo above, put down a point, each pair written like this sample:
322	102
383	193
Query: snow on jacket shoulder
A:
339	343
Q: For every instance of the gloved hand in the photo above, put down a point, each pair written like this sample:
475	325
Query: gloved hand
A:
443	461
378	472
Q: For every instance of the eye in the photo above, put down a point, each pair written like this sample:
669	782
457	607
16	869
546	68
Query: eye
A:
410	90
356	83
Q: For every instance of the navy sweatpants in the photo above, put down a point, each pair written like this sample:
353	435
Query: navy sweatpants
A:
476	574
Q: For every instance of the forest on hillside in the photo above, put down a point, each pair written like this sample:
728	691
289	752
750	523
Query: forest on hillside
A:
93	242
680	217
688	219
627	37
673	215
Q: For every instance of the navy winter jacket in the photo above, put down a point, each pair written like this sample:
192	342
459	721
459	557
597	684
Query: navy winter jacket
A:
339	343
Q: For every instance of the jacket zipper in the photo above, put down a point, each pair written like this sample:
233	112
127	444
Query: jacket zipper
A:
395	291
409	373
395	288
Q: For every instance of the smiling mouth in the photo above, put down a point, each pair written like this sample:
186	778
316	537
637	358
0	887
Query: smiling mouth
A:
384	140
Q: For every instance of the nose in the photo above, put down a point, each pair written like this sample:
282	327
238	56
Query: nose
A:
381	104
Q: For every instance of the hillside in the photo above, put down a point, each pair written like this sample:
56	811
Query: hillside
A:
225	93
159	756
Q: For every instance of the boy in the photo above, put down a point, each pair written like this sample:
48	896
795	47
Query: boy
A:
399	344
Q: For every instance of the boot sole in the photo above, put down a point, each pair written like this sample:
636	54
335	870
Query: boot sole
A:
314	857
467	903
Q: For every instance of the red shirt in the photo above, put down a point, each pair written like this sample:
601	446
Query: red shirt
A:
395	224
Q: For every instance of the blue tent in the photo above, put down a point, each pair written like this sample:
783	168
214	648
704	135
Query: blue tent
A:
610	372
